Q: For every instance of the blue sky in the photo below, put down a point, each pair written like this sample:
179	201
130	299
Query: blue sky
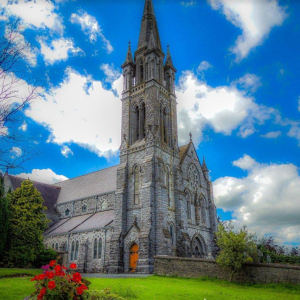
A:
238	91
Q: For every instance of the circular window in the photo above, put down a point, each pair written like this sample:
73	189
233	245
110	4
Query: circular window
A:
193	177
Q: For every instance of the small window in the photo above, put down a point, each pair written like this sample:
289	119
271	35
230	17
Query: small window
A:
53	246
95	249
100	248
84	208
76	250
67	212
56	246
72	250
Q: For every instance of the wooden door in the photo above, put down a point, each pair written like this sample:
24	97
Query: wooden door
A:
134	256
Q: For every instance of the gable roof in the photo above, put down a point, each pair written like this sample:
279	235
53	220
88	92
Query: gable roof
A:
92	184
48	192
183	150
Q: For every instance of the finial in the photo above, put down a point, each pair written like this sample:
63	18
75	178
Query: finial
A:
190	136
129	44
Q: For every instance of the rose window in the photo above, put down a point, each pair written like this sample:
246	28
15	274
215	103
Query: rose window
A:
193	177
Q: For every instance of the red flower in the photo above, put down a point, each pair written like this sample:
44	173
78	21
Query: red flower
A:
76	277
64	268
57	268
73	266
40	297
49	275
51	285
84	287
41	277
43	291
79	290
34	278
52	263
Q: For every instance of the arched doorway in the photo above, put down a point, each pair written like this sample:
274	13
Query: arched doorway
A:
198	248
133	258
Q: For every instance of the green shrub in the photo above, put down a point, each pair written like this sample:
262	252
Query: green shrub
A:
44	257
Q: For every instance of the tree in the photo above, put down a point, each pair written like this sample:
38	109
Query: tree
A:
15	93
3	218
27	223
236	248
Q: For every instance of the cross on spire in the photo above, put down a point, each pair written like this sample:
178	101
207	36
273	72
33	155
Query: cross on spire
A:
190	136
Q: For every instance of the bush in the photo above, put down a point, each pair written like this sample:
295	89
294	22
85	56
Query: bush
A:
44	257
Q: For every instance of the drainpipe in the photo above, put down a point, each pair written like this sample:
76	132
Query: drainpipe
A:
104	249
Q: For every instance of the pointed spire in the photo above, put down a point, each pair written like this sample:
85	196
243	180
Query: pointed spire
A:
129	55
152	43
204	167
149	25
169	58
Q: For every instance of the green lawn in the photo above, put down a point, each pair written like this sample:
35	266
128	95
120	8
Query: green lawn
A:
166	288
10	271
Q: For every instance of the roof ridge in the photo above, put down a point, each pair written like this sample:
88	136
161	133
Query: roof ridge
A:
34	181
85	174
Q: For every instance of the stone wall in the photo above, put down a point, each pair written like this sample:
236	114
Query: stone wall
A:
251	273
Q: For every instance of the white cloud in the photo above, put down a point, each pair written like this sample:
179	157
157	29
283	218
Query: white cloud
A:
272	135
255	18
38	13
91	27
23	126
267	199
110	72
248	82
188	3
294	131
224	108
16	151
81	111
58	50
43	175
66	151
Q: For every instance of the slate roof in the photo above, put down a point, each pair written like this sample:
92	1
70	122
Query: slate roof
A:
81	223
96	183
49	192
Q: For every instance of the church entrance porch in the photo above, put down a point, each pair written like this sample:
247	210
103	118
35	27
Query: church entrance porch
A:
133	257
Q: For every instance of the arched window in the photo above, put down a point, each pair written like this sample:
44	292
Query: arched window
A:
76	250
172	233
136	185
67	212
53	246
84	208
56	246
141	72
203	210
125	87
168	185
72	250
137	123
100	248
165	127
142	121
95	248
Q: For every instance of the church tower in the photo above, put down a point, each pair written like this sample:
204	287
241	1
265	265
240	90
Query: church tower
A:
151	215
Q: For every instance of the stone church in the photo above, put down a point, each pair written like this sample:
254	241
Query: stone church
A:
157	201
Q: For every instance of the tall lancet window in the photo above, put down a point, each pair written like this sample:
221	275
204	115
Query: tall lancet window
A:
188	205
142	121
141	72
165	125
137	124
168	185
136	176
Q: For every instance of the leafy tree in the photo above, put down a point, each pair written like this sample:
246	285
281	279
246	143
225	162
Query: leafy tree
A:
236	248
3	218
27	223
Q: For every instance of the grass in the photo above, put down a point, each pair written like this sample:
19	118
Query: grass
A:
167	288
11	272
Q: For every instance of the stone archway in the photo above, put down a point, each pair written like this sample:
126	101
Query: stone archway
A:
199	250
133	257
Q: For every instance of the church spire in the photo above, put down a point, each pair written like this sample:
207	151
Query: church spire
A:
169	62
129	55
149	27
204	167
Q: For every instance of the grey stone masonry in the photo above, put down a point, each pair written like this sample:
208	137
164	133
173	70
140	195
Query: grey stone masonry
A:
158	200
